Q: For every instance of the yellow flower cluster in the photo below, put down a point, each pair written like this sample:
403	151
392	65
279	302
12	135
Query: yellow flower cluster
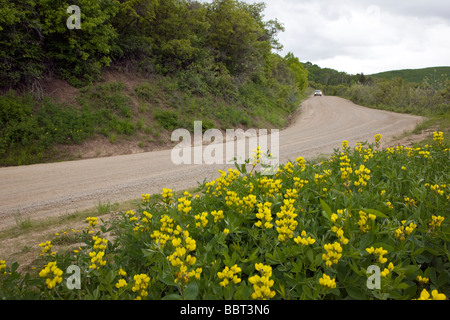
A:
378	253
229	275
46	247
334	253
422	280
363	175
299	183
340	234
218	215
410	202
286	222
264	215
326	281
181	259
256	156
438	137
437	188
378	138
301	162
262	283
201	219
2	264
131	215
246	204
184	203
52	274
291	194
435	222
223	182
92	221
146	220
322	178
122	283
145	198
367	154
435	295
387	270
364	221
99	243
339	219
165	232
167	195
97	257
269	187
345	166
122	273
303	240
141	285
403	231
288	168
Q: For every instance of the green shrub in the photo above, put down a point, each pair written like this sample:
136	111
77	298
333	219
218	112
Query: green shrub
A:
167	119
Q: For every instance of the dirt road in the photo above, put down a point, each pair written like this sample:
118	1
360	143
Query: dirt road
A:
45	190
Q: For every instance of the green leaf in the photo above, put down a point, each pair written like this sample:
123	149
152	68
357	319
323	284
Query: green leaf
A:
326	210
402	286
355	293
377	213
191	291
442	279
307	291
172	296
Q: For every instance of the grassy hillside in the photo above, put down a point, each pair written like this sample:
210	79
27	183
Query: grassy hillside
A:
416	75
173	62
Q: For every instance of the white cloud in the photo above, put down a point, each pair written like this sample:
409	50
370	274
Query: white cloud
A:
366	36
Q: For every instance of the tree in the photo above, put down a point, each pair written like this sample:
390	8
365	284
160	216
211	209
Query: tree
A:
300	73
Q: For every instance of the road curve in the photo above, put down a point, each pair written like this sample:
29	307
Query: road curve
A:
44	190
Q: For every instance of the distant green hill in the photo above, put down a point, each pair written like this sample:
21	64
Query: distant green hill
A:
416	75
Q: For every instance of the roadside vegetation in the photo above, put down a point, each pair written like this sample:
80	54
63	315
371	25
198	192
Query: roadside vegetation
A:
423	92
310	231
213	62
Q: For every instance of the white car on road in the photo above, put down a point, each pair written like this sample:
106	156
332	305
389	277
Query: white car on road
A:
317	93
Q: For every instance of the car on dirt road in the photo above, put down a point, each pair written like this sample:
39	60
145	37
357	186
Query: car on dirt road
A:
317	93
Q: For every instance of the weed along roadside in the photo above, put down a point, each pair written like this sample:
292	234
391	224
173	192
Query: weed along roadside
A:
367	223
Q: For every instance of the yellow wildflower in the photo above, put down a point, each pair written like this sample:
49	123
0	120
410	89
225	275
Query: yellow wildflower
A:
264	215
121	283
378	253
229	275
262	283
303	240
422	280
141	285
334	253
92	221
52	274
435	295
326	281
435	222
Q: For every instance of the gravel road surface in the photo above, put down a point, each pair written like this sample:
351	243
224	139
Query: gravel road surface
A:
45	190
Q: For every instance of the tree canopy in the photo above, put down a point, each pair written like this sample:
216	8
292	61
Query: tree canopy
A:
225	37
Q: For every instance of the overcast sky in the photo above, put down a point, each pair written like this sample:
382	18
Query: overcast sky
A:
364	36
